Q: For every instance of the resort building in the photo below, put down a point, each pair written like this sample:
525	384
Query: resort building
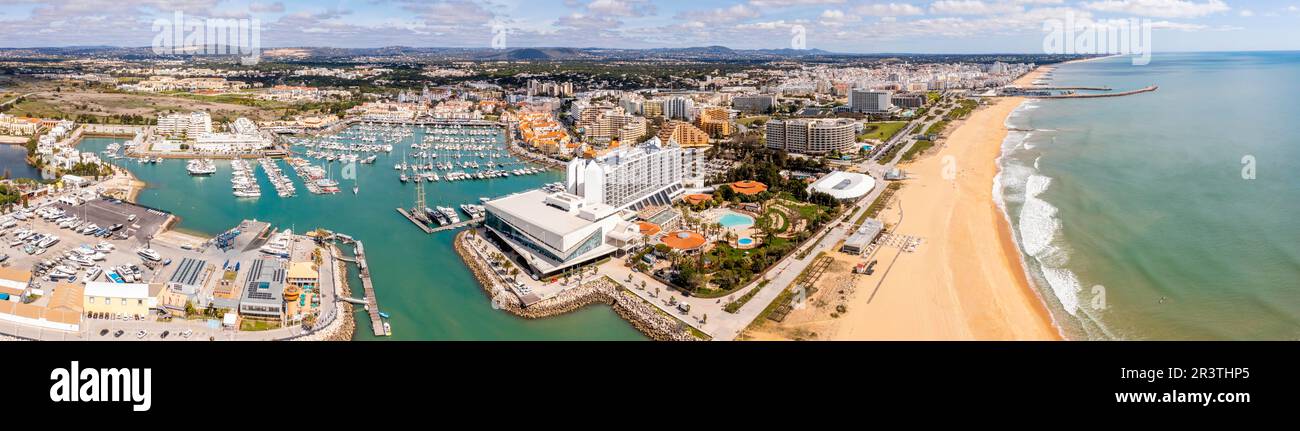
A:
679	108
603	125
812	136
541	131
844	186
684	134
555	231
757	104
714	121
908	100
871	100
119	299
629	177
191	125
243	136
18	126
652	108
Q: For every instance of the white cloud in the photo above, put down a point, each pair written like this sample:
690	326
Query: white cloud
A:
792	3
623	8
1160	8
887	9
1247	13
972	7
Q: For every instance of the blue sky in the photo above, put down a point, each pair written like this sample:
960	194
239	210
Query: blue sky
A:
934	26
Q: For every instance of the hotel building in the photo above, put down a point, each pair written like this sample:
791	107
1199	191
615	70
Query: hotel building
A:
811	136
683	134
871	100
193	125
596	215
759	104
679	108
714	121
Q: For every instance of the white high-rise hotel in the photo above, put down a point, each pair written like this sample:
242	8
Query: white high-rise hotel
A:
193	125
596	215
630	177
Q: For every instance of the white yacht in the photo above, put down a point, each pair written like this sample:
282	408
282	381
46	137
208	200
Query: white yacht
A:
149	254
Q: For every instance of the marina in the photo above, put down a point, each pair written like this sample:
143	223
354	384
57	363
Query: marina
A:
445	304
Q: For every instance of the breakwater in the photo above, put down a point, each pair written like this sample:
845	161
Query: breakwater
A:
1099	95
646	318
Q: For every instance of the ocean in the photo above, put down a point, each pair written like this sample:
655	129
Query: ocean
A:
1169	215
420	281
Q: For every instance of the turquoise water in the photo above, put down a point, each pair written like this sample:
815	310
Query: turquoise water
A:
745	241
419	279
731	219
1133	213
13	162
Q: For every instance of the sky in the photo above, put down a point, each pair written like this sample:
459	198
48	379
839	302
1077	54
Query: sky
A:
851	26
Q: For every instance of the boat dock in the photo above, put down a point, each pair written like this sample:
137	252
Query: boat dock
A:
372	301
457	225
413	219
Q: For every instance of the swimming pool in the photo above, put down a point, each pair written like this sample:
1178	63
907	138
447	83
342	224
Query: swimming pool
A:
732	220
745	241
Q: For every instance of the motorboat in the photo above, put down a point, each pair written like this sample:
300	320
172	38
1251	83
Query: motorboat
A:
149	254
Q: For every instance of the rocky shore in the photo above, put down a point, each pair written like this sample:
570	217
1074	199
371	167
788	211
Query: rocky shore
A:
645	317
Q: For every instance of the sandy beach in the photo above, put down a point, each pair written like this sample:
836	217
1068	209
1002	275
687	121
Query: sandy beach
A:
965	281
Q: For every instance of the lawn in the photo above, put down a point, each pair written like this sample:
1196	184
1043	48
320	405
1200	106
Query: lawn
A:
257	325
882	131
748	121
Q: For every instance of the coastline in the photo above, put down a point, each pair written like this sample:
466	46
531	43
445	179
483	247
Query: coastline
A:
966	280
646	318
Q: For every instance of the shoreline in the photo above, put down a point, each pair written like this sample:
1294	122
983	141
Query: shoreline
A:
966	280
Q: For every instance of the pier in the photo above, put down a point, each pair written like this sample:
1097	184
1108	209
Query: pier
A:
1097	95
457	225
372	301
420	224
1066	88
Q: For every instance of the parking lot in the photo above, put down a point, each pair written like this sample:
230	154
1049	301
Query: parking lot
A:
123	253
107	212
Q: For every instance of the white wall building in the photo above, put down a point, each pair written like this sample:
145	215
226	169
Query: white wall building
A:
193	124
629	177
871	100
812	136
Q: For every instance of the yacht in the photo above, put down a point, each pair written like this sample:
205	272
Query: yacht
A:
450	214
198	167
93	273
279	243
149	254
